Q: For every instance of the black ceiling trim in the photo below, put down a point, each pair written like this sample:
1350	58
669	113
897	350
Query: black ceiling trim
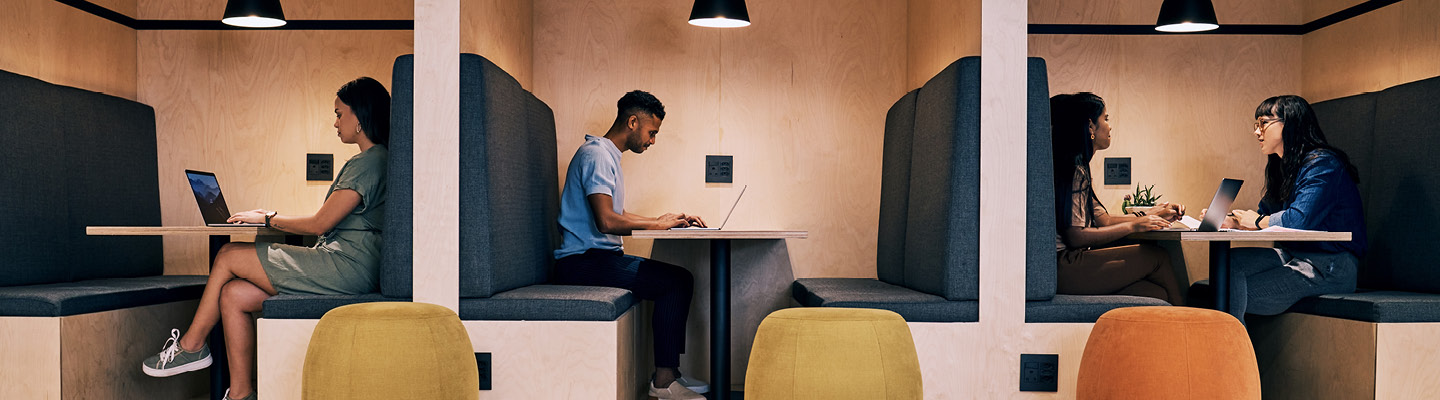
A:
216	25
1318	24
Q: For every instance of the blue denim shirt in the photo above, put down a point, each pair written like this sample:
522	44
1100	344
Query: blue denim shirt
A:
1324	199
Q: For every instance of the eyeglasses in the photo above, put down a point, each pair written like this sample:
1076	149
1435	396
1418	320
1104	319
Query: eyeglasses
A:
1265	123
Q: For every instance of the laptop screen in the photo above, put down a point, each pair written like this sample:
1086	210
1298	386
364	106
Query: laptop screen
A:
208	196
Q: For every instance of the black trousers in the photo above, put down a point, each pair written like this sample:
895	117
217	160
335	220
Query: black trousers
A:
668	285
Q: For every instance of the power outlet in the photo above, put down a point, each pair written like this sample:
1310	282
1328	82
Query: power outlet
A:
1039	372
482	364
719	169
1117	171
318	167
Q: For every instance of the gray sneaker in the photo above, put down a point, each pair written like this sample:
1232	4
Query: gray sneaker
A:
696	385
173	360
250	397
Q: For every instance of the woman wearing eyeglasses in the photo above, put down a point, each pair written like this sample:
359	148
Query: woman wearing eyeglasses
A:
1309	185
1080	126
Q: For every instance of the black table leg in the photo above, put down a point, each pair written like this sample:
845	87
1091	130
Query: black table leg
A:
219	369
1220	274
720	318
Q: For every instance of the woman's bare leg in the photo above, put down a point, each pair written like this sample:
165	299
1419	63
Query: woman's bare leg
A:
238	299
235	260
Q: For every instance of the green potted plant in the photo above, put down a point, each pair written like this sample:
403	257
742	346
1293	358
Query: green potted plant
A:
1141	200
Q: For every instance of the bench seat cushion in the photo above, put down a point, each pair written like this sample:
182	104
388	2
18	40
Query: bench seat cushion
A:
1374	306
1081	309
913	305
549	303
312	306
96	295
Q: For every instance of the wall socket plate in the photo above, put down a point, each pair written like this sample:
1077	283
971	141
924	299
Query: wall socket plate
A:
1039	372
482	364
719	169
319	167
1117	170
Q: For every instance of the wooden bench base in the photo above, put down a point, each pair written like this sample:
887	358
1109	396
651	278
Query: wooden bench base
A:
1305	356
529	359
93	356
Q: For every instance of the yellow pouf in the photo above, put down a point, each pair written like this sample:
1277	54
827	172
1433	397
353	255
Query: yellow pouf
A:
1168	353
833	353
390	350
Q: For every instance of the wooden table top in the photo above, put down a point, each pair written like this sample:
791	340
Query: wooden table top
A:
181	230
1242	236
718	234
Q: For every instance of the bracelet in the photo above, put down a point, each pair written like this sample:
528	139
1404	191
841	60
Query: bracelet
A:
269	216
1257	221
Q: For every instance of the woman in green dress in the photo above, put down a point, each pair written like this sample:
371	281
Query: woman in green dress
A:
345	259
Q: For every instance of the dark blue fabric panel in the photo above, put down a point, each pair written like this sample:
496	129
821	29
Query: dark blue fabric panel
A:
1041	275
870	293
542	145
396	270
942	237
895	189
30	137
309	306
549	303
96	295
1401	216
1081	309
505	183
112	179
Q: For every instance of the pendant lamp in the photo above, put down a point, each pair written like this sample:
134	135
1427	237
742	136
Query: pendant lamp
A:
1186	16
719	14
254	13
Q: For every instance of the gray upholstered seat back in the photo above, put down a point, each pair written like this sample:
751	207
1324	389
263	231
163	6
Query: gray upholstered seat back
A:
1040	272
70	158
942	230
895	190
1401	188
509	197
396	268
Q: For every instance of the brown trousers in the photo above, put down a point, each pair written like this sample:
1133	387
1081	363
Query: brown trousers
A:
1135	270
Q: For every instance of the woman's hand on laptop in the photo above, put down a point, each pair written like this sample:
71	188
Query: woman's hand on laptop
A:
256	216
1170	212
1149	223
1245	219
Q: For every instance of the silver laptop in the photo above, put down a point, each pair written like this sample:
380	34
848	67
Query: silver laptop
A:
1219	207
211	201
727	215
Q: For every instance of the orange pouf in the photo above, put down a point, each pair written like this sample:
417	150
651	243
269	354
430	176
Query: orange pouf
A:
1168	353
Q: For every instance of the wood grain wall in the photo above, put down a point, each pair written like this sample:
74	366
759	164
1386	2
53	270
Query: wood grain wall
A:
799	99
61	45
248	105
1396	44
502	31
939	32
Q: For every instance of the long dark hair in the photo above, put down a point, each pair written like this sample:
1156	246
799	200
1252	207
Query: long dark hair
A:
1072	148
370	102
1303	140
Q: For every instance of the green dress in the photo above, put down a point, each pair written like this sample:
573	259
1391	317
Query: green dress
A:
345	260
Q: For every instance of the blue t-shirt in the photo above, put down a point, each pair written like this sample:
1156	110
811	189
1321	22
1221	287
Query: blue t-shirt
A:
594	169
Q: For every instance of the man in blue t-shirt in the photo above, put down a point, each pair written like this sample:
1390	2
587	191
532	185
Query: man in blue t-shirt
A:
592	219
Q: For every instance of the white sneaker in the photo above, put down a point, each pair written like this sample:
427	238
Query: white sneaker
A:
674	392
696	385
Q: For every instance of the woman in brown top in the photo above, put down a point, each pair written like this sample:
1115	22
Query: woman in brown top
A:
1080	126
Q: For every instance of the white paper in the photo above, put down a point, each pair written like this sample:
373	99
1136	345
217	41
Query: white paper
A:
1189	222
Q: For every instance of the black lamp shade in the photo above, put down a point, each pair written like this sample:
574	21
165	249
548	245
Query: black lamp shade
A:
254	13
719	14
1186	16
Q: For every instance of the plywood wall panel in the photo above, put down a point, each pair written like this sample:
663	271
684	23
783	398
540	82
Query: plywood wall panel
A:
1396	44
1144	12
502	31
798	98
939	32
248	105
61	45
304	9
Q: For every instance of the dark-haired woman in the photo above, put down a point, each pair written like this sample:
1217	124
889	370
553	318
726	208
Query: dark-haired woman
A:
1080	126
345	259
1309	185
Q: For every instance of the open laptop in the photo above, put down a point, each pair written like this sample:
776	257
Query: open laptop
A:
722	223
211	201
1219	207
